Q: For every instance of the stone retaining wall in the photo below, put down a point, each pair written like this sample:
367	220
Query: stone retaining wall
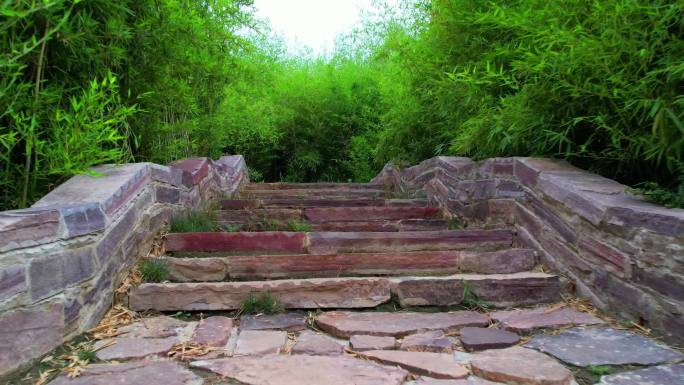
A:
62	258
620	252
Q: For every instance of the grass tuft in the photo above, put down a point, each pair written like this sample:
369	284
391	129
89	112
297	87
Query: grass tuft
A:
299	226
153	270
599	370
264	303
470	300
87	355
193	222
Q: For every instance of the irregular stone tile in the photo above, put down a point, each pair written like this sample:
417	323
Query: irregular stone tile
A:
132	373
303	369
316	344
436	365
155	327
213	331
344	324
196	269
527	320
520	366
360	343
604	346
256	342
434	341
467	381
657	375
291	322
126	348
487	338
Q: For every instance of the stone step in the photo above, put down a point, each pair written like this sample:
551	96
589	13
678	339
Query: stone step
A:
339	265
238	204
383	226
284	224
499	290
314	293
382	242
338	214
339	242
308	193
311	186
325	293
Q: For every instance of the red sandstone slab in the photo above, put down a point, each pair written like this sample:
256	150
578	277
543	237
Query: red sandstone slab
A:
240	204
308	193
333	214
436	365
196	269
275	241
501	290
527	320
520	366
361	342
354	242
434	341
345	324
213	331
244	216
316	344
291	293
487	338
423	225
356	226
145	372
300	369
259	342
233	204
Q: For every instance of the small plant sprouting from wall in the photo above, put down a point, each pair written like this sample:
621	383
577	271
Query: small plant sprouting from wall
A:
264	303
153	270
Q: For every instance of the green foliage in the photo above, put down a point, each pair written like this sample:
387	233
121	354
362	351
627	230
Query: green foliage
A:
600	370
299	226
87	355
264	303
470	300
89	82
153	270
196	221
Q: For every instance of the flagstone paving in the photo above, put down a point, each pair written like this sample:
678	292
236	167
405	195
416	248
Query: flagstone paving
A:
420	354
604	346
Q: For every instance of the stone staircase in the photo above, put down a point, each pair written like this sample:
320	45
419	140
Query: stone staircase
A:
362	247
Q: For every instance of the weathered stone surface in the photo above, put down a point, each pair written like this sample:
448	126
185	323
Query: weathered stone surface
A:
527	320
351	242
399	324
316	344
334	214
613	259
497	289
196	269
128	348
275	242
33	225
437	365
83	219
194	169
26	334
604	346
12	281
112	189
467	381
54	273
164	194
155	327
303	369
518	365
132	373
433	341
213	331
292	294
527	170
307	265
257	342
362	342
657	375
487	338
291	322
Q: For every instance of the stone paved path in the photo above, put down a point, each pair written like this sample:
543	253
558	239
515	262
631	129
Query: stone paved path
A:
372	348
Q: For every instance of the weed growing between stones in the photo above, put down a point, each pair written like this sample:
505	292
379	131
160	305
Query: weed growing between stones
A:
470	300
455	224
194	222
153	270
298	226
262	304
86	354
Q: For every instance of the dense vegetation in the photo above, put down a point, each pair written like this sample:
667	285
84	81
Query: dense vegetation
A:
599	83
